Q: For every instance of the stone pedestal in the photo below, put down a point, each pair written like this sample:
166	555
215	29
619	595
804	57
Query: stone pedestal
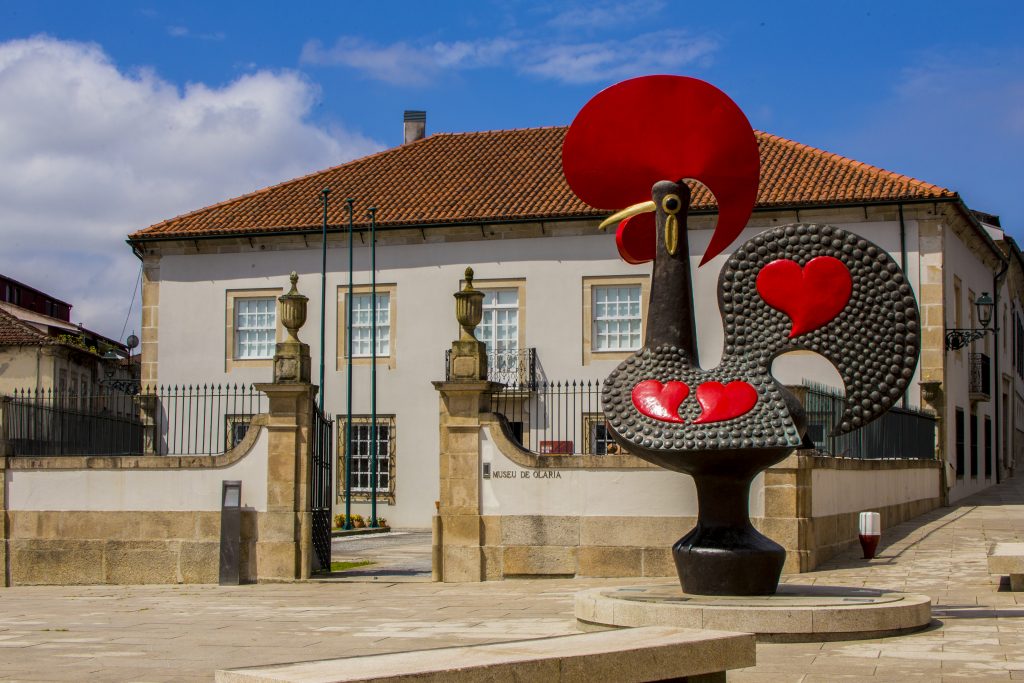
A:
291	363
468	360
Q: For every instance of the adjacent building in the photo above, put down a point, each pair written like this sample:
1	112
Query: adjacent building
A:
41	349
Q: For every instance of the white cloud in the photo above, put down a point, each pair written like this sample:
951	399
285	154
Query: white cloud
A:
89	153
404	64
177	31
658	52
606	14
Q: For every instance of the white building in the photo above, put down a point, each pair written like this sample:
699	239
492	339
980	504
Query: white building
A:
497	201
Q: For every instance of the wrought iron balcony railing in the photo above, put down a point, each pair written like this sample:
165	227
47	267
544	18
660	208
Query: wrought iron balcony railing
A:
981	377
516	368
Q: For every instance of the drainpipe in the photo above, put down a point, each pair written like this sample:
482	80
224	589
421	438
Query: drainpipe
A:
903	265
995	368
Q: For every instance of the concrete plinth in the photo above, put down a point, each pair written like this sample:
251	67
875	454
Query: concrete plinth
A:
795	614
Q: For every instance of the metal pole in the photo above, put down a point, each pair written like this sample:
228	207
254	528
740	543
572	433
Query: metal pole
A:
323	295
348	343
373	367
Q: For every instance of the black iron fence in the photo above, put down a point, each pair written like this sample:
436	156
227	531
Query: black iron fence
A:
321	499
45	422
565	418
901	433
516	367
556	417
167	420
200	420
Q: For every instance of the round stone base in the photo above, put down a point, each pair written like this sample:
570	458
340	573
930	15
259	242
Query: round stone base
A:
794	614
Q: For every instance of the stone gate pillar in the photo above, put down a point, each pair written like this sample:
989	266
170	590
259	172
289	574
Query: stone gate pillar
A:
465	396
284	551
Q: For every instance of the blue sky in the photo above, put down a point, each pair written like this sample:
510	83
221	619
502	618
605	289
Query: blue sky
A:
115	115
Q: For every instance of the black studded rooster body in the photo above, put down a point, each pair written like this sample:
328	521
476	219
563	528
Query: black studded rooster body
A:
725	424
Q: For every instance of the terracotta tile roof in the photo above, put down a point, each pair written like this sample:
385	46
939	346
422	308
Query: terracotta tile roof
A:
14	332
510	175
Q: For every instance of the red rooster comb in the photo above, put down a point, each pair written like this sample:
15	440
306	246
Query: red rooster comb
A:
637	132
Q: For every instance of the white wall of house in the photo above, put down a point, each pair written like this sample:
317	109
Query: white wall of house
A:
116	490
192	314
975	277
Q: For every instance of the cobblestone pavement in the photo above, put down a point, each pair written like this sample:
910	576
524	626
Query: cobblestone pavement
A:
184	633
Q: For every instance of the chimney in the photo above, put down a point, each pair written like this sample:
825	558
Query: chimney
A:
415	125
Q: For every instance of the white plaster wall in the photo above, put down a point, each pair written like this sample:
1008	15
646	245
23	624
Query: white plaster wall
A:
192	317
590	492
974	275
167	490
838	491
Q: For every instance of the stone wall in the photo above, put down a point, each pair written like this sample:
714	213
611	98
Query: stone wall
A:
130	547
128	519
794	502
803	512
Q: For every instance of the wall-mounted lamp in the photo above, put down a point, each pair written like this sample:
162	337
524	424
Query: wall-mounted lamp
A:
959	338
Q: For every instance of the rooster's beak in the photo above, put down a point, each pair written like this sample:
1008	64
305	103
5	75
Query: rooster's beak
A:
642	207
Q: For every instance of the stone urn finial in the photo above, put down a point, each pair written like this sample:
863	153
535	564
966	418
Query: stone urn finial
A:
293	309
469	307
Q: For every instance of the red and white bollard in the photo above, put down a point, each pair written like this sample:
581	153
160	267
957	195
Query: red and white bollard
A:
870	533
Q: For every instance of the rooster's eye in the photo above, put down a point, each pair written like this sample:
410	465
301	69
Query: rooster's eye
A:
671	204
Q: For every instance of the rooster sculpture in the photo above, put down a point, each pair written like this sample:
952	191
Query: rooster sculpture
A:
812	287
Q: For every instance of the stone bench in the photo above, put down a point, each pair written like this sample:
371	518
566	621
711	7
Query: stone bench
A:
1008	558
650	653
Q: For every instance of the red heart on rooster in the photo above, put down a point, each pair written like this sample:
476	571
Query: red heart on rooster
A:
720	402
811	296
660	401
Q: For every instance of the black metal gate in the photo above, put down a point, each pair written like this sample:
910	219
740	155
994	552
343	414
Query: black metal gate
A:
320	499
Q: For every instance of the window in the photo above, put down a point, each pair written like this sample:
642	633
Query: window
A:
236	427
958	310
599	440
255	328
251	328
362	322
1018	345
988	447
499	327
616	318
361	329
974	445
614	314
363	451
959	443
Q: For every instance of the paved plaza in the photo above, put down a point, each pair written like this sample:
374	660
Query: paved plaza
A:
184	633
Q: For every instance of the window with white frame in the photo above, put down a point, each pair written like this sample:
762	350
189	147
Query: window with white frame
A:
616	317
361	327
255	327
499	327
364	449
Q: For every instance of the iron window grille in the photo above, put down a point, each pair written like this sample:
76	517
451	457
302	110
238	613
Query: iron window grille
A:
359	478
